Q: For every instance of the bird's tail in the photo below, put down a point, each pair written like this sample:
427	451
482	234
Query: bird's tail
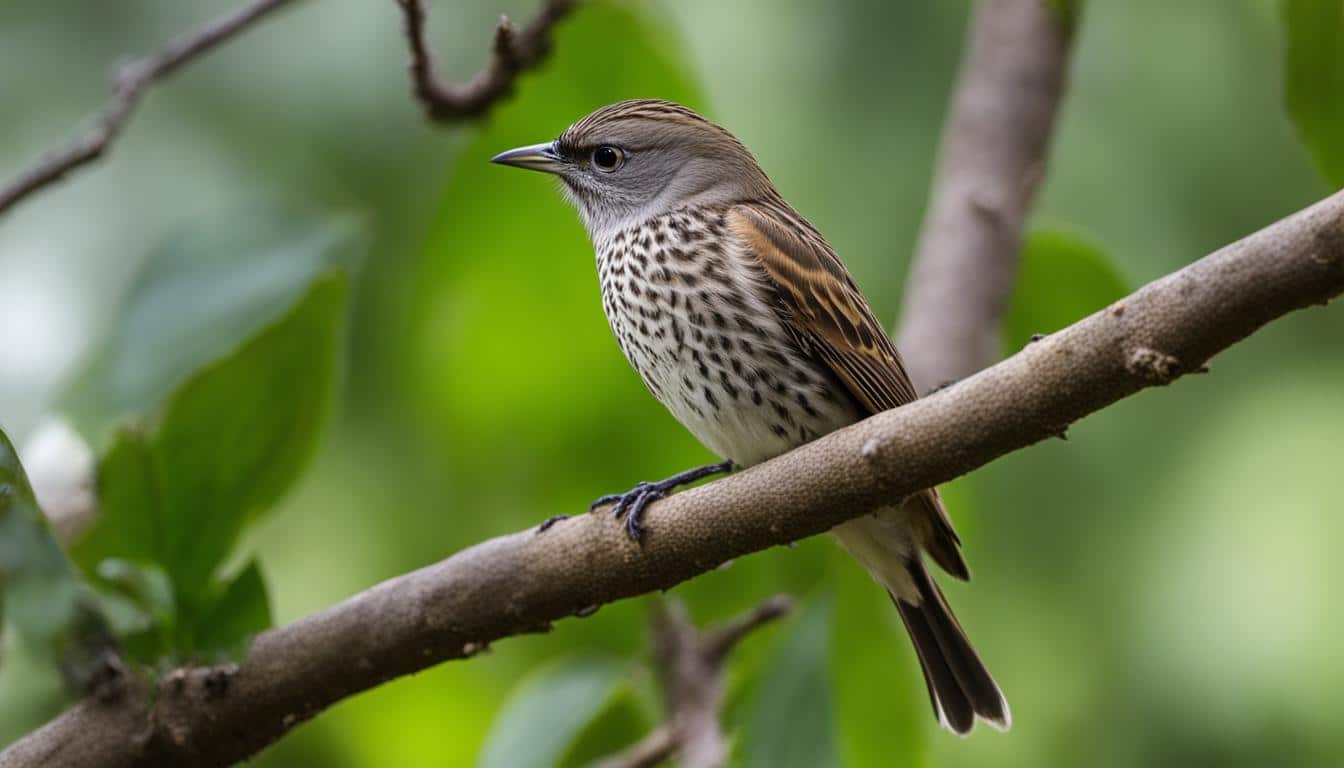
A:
960	688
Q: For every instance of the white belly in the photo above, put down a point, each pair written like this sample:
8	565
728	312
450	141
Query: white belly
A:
699	330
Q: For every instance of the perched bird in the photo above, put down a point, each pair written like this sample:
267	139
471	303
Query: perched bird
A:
744	323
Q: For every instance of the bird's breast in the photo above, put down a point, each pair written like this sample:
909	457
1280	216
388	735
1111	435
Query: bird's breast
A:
696	317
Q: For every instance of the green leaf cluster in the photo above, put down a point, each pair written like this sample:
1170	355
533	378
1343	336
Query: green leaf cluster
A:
205	401
41	594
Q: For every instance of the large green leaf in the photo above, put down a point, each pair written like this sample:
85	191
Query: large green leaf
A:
1314	80
40	592
230	441
1063	278
129	525
240	610
186	468
794	721
236	436
881	708
199	296
620	723
544	718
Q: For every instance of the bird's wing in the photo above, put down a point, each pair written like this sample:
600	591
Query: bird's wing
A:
820	302
823	305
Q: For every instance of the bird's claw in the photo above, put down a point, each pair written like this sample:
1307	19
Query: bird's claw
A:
631	504
605	500
548	522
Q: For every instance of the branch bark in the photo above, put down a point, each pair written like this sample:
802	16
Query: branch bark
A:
128	87
690	663
992	159
522	582
512	52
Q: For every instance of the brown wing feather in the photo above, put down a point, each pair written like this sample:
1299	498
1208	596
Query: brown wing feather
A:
825	304
822	304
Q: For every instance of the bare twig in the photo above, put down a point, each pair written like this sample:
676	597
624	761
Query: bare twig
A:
648	752
719	641
512	52
523	582
992	158
128	87
690	664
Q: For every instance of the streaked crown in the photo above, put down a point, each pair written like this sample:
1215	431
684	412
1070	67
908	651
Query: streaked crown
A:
637	159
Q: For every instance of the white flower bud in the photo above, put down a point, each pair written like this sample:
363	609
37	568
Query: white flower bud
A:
60	467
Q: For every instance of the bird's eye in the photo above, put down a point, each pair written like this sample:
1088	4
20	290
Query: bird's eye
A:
607	159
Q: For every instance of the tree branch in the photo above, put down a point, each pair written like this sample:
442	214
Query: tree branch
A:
512	52
993	156
522	582
128	87
690	664
648	752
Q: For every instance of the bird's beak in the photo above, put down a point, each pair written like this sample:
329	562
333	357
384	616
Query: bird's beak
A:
538	157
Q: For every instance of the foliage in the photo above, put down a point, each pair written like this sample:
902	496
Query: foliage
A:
212	387
543	723
1068	12
1314	80
794	723
1062	279
40	592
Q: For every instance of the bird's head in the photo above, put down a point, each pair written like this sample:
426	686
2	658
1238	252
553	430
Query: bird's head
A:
633	160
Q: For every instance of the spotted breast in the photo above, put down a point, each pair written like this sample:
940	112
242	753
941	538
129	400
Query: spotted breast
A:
697	320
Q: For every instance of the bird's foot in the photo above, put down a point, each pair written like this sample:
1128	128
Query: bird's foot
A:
631	504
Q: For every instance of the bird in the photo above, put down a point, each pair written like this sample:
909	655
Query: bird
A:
744	323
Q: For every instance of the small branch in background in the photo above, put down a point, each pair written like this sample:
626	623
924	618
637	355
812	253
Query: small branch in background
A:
992	159
128	87
650	751
690	666
512	52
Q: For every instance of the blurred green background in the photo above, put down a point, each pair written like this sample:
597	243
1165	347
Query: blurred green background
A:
1158	590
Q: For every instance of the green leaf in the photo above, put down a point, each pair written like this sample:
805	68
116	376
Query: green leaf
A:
1314	80
40	592
543	719
236	436
794	721
240	611
620	723
206	449
128	526
881	707
138	601
145	585
1068	12
1063	278
198	297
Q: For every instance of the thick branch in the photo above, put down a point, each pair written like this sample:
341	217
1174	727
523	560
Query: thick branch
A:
512	52
993	156
128	87
523	582
690	664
